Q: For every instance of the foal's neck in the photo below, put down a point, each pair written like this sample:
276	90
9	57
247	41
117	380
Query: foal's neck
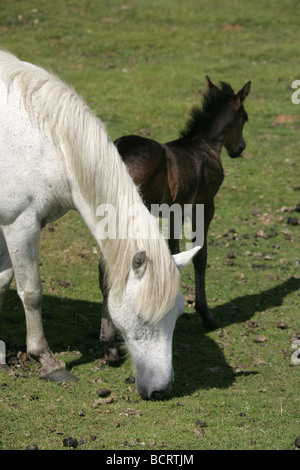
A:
217	147
215	136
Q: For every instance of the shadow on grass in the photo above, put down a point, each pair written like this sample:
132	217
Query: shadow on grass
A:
69	325
198	361
243	308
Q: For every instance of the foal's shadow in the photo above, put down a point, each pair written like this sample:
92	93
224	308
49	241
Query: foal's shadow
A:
199	362
243	308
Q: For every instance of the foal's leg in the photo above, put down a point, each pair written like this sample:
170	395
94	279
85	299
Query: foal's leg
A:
107	332
174	246
200	261
22	240
174	237
6	274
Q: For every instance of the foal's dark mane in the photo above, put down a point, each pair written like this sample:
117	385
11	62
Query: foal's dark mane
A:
203	118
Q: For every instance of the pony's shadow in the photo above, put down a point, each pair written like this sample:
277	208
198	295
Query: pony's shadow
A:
69	327
198	360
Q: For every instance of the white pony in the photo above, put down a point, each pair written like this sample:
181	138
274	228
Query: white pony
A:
55	155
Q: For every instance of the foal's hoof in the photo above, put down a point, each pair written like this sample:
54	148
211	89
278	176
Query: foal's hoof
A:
4	368
112	360
112	363
208	320
60	375
111	356
210	323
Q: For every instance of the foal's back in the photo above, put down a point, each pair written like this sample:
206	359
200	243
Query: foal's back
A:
147	165
176	172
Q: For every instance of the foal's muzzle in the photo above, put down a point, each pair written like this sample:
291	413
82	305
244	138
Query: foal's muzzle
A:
238	152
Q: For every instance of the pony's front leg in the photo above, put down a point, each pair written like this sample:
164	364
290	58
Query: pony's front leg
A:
6	274
22	239
6	270
107	332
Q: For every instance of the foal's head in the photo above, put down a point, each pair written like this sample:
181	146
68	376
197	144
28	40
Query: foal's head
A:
234	107
221	119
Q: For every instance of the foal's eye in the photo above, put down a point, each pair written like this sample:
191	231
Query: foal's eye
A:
243	115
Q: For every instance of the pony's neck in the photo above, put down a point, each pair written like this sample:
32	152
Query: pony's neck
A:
95	176
122	226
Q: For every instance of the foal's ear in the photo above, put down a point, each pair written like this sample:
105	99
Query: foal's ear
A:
243	93
210	87
139	263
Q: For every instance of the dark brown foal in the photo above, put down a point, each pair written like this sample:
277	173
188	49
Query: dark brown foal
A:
188	170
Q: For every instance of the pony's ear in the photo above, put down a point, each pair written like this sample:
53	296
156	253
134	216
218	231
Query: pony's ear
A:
243	93
139	263
210	87
185	257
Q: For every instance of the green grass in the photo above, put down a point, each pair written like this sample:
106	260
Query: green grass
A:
142	65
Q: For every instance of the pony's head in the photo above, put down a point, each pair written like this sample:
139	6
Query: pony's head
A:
149	343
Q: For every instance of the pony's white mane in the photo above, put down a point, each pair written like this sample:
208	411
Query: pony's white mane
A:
93	160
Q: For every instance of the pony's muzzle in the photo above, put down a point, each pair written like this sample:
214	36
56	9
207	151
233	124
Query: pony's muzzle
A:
160	395
156	394
155	391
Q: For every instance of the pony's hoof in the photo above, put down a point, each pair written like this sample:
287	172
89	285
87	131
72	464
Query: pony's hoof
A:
60	375
4	368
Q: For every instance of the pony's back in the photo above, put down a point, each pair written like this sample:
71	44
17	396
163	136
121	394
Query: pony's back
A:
91	173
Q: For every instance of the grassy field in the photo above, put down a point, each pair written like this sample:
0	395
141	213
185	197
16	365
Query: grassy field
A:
141	66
